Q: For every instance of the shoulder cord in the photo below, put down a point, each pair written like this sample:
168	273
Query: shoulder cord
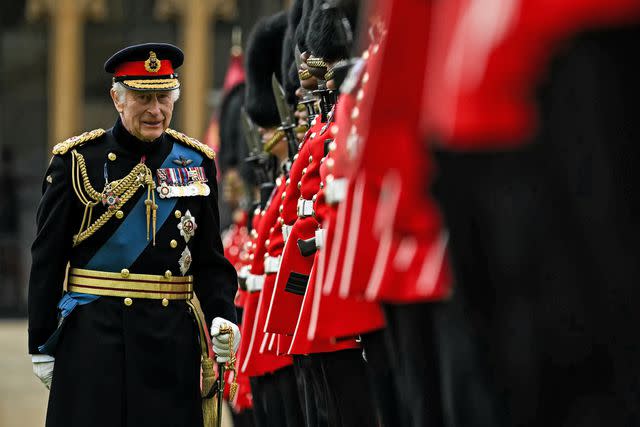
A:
123	190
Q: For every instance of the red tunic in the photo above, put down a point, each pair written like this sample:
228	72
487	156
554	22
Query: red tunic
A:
486	62
256	363
285	305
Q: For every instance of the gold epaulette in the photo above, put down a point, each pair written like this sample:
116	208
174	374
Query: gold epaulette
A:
74	141
193	143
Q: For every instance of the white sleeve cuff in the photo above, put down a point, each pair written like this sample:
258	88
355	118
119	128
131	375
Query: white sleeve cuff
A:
41	358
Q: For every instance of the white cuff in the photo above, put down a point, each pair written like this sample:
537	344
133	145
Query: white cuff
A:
305	208
335	191
41	358
286	230
272	264
319	238
255	282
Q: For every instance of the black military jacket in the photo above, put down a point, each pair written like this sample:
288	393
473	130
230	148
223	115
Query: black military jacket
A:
60	214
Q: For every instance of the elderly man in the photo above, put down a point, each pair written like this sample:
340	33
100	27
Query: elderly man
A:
132	213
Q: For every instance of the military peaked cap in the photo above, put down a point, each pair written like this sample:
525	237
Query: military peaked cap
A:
146	67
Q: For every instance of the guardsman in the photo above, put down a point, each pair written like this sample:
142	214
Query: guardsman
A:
132	211
339	363
397	223
236	239
272	377
534	148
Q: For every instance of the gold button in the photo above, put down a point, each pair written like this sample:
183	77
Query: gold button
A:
299	184
330	163
287	181
280	208
310	159
295	157
333	146
128	302
267	242
173	243
315	196
177	214
112	156
304	171
124	272
168	274
284	194
281	220
119	214
321	185
165	302
251	257
266	255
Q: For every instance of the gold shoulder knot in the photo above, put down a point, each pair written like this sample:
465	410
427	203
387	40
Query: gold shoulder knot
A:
74	141
193	143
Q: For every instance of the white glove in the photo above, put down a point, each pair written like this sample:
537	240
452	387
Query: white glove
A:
221	341
43	368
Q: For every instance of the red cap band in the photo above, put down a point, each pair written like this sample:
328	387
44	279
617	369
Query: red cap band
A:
138	68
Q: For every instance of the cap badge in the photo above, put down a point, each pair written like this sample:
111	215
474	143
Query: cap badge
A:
152	64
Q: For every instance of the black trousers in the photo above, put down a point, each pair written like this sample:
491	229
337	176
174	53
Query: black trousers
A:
412	350
275	399
243	419
382	373
349	396
544	246
311	389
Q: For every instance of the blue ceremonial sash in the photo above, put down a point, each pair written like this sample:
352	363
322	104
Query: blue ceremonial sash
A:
124	246
130	239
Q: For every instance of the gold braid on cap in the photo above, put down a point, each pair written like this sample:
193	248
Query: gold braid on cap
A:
75	141
119	192
193	143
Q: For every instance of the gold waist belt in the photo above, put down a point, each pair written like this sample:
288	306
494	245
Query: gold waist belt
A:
125	284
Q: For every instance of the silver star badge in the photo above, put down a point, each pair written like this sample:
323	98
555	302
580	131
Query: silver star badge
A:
187	226
185	261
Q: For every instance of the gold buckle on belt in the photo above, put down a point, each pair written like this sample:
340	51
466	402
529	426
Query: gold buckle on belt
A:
130	285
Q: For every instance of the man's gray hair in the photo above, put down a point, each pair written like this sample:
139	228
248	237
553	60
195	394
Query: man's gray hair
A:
121	90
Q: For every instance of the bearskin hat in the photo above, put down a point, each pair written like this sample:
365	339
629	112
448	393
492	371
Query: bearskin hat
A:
233	148
332	29
300	34
263	58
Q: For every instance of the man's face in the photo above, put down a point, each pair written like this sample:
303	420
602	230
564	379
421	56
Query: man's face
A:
146	115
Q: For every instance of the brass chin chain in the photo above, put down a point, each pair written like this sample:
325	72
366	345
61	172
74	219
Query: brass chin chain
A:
114	195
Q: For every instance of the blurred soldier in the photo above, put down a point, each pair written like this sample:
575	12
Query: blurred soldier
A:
272	379
535	148
236	239
133	211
